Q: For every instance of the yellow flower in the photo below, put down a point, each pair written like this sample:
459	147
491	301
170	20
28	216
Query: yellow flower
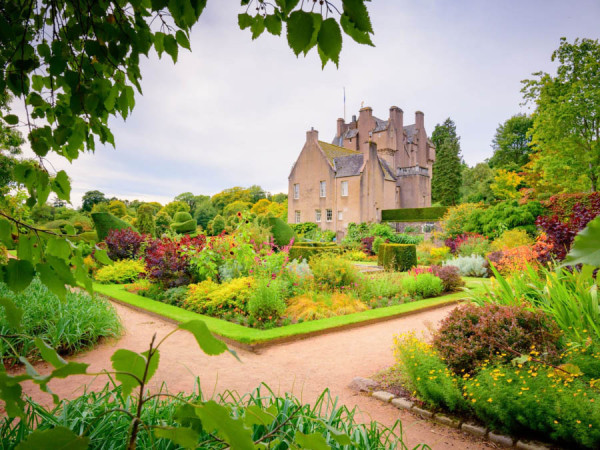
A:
490	400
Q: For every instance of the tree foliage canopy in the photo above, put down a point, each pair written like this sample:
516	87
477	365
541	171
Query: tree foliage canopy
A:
511	143
447	178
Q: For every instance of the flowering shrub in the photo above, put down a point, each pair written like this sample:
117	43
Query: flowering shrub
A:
455	242
473	245
333	272
319	305
266	302
381	289
472	335
450	277
168	260
124	244
124	271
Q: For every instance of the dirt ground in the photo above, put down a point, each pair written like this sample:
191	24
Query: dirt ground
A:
304	368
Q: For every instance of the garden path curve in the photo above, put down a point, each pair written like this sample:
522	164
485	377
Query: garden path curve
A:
305	367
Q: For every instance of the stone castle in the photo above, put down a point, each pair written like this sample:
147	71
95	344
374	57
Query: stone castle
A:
371	165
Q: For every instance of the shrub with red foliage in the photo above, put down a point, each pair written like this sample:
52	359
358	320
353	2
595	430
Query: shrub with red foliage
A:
472	335
561	232
168	260
367	245
455	242
124	244
562	205
450	276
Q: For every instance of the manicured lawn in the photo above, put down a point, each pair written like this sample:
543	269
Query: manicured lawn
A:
252	336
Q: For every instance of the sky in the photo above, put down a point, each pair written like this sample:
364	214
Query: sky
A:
234	112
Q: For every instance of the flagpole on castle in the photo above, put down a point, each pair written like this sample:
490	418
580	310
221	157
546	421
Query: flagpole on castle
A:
344	104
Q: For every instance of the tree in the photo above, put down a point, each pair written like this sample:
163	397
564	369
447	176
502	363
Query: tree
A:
227	196
163	222
505	185
447	178
10	147
566	121
190	199
117	208
512	143
279	198
236	207
256	193
261	207
91	198
145	220
476	184
175	207
204	212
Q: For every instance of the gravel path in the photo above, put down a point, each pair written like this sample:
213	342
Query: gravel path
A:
304	367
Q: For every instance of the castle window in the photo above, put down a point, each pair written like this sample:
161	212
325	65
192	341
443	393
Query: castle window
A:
317	215
297	217
329	215
323	189
296	191
340	215
344	189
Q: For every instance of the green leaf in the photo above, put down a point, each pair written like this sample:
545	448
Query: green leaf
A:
49	354
171	47
14	314
245	21
207	342
71	368
258	26
159	42
273	24
312	441
300	29
59	248
182	39
362	37
55	438
232	431
61	268
132	363
5	232
586	246
330	41
185	437
255	415
11	119
101	256
357	14
339	436
27	250
18	274
51	280
62	186
287	5
10	393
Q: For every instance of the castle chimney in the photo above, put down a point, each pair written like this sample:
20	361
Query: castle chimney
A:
420	120
340	127
365	125
353	117
397	118
312	135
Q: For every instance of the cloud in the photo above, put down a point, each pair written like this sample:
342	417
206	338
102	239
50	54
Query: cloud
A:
235	111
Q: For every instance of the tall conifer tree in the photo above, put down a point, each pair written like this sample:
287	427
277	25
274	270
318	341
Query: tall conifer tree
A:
447	178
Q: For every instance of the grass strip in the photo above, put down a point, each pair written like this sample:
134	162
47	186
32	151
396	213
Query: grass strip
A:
252	336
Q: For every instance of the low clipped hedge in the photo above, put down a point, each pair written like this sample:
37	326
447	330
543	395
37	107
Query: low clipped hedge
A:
104	222
430	214
306	250
399	257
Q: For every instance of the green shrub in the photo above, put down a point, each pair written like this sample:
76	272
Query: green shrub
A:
266	301
381	286
68	326
474	245
399	257
307	250
430	214
104	222
427	375
145	219
282	232
86	236
377	243
183	223
124	271
333	272
425	285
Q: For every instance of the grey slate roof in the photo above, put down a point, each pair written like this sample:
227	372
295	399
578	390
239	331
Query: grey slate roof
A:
349	166
380	125
411	132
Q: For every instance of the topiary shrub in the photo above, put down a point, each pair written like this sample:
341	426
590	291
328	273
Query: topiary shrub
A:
282	232
145	219
472	335
399	257
183	223
104	222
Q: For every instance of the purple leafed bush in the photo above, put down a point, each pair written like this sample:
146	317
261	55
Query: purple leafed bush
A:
124	244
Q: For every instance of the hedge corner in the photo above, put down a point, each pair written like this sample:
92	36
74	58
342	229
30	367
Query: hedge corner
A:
398	257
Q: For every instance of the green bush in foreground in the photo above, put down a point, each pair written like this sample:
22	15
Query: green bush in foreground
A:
269	418
69	326
124	271
399	257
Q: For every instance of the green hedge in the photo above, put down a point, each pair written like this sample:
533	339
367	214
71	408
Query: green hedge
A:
399	257
413	214
302	251
104	222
